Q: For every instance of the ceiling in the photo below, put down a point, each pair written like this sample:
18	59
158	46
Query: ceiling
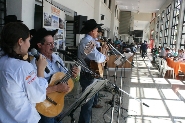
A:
140	6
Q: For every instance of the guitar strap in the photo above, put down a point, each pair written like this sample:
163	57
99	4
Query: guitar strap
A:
50	78
58	64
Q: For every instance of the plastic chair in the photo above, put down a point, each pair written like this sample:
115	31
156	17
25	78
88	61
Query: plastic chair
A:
166	68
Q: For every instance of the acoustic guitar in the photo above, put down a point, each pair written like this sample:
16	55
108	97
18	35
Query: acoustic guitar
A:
98	68
54	103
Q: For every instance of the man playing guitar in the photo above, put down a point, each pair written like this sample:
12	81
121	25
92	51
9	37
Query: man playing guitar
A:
91	30
44	43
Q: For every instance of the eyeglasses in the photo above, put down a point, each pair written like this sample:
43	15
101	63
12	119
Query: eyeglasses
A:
50	44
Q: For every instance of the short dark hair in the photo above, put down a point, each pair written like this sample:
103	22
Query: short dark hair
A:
10	35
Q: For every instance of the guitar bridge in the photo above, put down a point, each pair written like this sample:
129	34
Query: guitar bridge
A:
50	100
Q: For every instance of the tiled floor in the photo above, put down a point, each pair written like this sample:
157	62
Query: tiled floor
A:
141	84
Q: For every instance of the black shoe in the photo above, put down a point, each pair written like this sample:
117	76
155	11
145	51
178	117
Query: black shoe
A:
97	106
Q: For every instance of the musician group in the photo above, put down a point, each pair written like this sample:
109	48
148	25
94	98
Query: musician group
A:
26	89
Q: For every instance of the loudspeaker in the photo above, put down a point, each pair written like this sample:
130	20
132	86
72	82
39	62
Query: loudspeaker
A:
78	23
102	17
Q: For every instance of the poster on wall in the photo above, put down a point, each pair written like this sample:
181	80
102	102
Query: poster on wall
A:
54	18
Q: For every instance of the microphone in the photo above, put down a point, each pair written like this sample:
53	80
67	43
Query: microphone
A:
36	55
66	53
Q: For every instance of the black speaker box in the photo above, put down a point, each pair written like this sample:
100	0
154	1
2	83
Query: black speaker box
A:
78	23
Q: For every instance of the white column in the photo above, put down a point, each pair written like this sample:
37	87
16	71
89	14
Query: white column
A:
28	10
97	11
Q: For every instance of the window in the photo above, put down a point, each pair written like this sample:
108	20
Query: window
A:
175	21
115	10
166	30
161	28
182	44
157	29
2	13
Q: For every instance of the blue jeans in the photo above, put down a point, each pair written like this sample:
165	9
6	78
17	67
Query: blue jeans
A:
86	109
45	119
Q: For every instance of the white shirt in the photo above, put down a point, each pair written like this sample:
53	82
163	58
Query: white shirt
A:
163	53
52	66
183	57
128	55
180	55
20	89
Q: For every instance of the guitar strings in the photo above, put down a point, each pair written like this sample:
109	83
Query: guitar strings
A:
68	75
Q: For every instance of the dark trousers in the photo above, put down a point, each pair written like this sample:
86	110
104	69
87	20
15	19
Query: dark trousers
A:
45	119
96	99
143	53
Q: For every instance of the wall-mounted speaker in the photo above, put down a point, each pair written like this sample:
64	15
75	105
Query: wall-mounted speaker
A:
78	23
102	17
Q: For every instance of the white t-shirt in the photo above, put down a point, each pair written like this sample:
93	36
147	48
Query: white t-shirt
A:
20	89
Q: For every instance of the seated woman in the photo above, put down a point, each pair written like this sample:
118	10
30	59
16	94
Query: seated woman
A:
162	53
168	53
175	53
182	59
180	54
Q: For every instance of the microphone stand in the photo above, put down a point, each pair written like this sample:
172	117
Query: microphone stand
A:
78	62
71	114
115	79
123	57
121	90
118	90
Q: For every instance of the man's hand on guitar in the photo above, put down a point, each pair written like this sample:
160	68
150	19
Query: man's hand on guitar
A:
62	87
